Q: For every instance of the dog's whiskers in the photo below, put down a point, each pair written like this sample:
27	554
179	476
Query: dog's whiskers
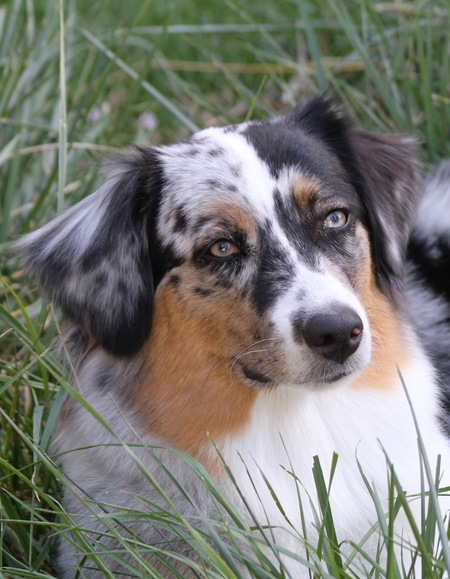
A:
246	351
256	344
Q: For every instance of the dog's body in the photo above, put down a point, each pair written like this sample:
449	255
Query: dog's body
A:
246	286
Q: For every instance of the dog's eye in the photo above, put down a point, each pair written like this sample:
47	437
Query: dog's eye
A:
335	219
223	248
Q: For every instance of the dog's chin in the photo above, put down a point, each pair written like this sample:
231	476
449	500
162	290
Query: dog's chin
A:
332	381
331	375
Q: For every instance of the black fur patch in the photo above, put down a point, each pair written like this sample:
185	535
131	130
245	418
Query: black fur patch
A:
281	145
174	280
180	220
205	292
274	273
254	375
297	231
432	259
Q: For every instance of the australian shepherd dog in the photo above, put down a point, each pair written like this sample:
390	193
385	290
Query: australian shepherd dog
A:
253	297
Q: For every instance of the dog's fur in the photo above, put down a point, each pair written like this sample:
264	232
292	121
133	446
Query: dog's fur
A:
247	285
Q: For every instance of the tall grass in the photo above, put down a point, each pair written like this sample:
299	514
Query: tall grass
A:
79	79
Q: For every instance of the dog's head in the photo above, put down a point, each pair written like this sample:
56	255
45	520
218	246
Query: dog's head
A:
270	240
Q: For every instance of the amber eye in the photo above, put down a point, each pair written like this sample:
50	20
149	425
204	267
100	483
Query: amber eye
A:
335	219
223	248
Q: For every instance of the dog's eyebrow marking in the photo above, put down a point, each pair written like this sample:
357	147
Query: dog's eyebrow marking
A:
304	190
227	216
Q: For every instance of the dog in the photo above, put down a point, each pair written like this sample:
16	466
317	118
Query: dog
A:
252	297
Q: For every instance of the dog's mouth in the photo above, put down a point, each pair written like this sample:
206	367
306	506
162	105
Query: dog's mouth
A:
258	378
318	380
298	367
255	375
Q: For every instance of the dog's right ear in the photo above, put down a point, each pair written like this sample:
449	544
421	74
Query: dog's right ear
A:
93	261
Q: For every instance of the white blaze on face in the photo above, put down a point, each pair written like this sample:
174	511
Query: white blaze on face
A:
314	292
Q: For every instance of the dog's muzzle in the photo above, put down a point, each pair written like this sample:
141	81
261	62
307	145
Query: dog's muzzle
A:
334	335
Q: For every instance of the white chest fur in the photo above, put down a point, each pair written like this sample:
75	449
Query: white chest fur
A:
364	426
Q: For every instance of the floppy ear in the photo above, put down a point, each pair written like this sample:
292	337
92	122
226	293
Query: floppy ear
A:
93	260
389	189
385	172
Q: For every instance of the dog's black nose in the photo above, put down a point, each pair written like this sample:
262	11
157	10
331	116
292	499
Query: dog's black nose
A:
334	335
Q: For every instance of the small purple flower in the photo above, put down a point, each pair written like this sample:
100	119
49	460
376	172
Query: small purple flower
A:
147	121
94	115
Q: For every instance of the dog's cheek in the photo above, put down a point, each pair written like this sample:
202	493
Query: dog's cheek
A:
189	390
225	311
388	343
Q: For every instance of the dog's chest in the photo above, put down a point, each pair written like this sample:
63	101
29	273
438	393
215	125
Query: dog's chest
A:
366	429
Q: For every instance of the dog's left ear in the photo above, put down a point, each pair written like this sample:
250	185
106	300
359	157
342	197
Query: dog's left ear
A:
94	260
386	174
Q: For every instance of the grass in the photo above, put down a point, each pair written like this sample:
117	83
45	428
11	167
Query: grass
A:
79	79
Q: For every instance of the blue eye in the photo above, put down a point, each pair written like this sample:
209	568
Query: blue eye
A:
335	220
223	248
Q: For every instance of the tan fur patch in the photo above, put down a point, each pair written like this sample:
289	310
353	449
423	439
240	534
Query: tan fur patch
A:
222	210
190	390
388	345
304	190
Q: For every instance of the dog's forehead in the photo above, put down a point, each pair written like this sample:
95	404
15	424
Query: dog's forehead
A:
220	166
216	163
